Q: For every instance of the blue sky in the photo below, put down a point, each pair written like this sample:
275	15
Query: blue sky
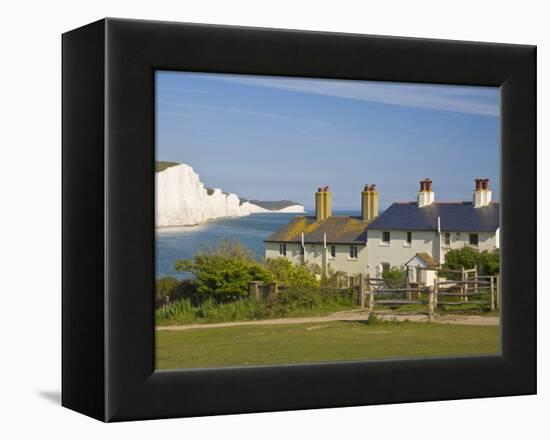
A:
273	138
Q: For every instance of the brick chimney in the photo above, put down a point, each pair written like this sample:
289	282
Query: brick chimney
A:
425	196
482	194
369	203
323	203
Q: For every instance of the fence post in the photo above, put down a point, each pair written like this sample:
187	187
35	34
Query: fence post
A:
371	299
408	286
492	294
436	294
254	289
475	275
465	285
497	288
430	304
362	291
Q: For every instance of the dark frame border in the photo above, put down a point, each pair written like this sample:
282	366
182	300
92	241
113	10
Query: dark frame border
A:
108	159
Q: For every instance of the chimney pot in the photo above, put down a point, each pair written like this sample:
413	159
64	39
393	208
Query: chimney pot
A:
428	184
485	184
479	184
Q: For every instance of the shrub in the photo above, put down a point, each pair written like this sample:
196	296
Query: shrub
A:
293	301
467	258
394	277
334	278
221	277
285	272
181	311
164	289
303	297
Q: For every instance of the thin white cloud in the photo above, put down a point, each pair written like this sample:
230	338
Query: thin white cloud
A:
462	99
254	113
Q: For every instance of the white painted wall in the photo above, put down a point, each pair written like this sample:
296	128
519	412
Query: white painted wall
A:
398	252
316	253
426	277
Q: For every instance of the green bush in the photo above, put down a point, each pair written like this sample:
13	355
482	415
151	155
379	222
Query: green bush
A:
285	272
488	263
164	289
394	277
181	311
334	278
223	278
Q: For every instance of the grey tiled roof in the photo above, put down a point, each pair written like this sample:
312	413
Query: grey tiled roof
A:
455	217
338	229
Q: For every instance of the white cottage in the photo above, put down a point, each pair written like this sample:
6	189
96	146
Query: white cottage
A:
332	242
431	228
414	235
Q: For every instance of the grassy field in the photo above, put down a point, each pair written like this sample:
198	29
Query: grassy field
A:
318	342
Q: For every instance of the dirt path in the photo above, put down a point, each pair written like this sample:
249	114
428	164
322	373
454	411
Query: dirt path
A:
351	315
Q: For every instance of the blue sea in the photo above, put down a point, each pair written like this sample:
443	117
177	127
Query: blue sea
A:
183	242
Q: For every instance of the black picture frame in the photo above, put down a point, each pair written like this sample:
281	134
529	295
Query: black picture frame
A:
108	219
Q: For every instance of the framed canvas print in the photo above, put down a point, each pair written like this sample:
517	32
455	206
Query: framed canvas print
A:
262	219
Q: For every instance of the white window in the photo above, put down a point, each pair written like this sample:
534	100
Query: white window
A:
282	249
474	239
333	251
386	237
447	238
353	252
409	239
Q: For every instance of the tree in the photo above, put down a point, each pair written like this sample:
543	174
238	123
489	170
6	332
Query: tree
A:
223	278
228	248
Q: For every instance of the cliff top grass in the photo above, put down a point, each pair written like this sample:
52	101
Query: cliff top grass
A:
161	165
322	342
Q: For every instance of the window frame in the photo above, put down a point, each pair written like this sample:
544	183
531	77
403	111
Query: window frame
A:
408	242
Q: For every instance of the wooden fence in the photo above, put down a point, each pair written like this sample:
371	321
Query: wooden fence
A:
372	292
260	290
442	293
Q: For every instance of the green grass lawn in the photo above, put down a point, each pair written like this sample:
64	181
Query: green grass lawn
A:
318	342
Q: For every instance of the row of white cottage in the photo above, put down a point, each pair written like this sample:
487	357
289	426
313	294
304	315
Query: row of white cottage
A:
416	235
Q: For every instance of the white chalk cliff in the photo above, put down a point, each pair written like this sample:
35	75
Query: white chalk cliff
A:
183	200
